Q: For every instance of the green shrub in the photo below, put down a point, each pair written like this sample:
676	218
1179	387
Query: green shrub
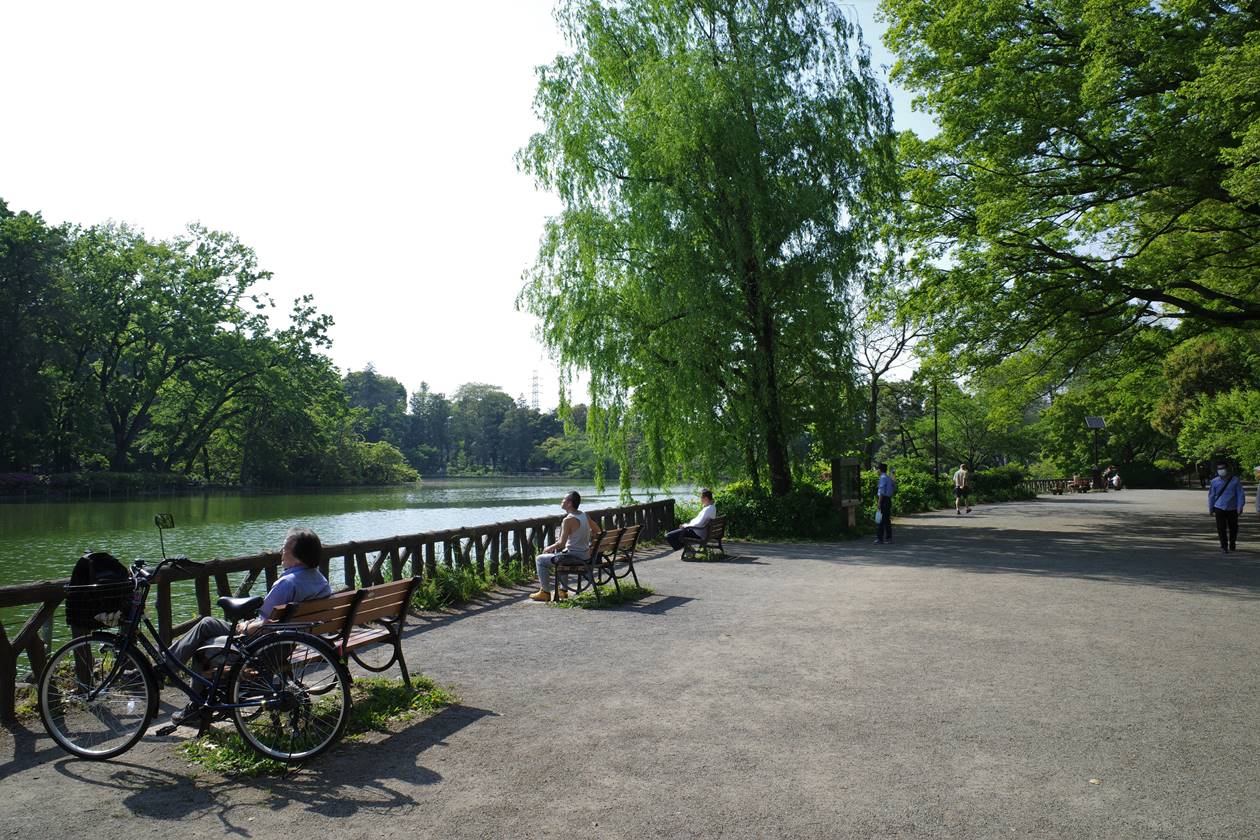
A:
805	513
452	586
1152	476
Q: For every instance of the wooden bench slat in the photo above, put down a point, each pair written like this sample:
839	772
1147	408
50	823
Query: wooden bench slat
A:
377	613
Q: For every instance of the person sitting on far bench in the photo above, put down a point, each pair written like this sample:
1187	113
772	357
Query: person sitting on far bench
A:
698	527
300	580
574	543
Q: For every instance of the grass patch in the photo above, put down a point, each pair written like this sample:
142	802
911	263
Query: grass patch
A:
451	587
376	703
609	597
26	704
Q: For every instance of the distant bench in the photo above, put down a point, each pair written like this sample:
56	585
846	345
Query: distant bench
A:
358	620
710	542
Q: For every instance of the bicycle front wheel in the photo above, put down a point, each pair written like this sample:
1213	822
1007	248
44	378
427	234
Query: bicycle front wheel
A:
90	707
295	696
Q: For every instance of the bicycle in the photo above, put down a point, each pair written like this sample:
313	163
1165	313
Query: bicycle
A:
285	690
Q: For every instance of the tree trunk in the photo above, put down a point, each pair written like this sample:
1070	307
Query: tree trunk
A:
872	416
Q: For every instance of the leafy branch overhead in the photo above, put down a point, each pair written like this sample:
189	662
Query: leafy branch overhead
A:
1097	168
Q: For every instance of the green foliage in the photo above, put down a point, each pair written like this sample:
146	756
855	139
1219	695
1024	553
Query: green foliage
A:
1095	169
1226	425
916	491
376	704
805	512
380	404
723	169
458	585
384	464
609	595
1126	403
1204	366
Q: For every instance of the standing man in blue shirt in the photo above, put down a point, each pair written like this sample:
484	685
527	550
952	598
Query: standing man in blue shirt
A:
1225	501
884	490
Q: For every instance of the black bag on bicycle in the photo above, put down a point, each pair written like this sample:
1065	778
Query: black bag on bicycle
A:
99	586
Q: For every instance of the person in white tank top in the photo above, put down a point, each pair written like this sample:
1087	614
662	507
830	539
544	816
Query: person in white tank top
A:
574	542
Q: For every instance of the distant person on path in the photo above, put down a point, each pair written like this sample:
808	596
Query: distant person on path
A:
698	527
1225	501
574	543
1204	470
884	490
962	489
300	580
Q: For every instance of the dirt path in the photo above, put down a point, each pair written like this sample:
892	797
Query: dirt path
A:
973	679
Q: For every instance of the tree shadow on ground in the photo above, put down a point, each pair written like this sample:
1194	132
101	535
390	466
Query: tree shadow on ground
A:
1170	550
354	777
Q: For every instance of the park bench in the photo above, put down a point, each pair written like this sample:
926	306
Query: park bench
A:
711	541
622	554
359	623
1080	485
602	542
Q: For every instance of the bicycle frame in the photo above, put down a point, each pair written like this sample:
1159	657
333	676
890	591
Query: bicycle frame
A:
154	650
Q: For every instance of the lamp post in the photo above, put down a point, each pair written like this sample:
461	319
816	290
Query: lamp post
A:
936	433
1096	424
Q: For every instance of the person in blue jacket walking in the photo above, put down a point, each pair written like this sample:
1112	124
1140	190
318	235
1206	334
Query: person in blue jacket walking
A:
1225	501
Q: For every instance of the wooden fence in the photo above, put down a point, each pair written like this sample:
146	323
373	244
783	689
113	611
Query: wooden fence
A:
483	547
1045	485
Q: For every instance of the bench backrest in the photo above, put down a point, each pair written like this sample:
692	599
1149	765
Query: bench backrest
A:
629	539
385	601
339	612
607	544
329	615
717	528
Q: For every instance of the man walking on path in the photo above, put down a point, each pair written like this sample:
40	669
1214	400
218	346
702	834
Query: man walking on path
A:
962	489
885	490
1225	501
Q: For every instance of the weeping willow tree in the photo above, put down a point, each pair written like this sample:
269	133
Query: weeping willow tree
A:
724	167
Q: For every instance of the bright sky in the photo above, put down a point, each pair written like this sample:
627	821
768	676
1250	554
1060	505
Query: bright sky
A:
365	151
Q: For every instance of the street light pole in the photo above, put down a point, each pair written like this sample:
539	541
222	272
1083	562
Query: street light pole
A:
936	429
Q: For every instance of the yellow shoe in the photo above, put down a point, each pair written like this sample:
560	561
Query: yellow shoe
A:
541	595
562	595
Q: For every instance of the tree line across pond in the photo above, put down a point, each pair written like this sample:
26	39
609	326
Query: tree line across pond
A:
120	354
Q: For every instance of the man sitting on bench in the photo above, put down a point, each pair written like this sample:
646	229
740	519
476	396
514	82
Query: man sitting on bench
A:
301	580
698	527
574	544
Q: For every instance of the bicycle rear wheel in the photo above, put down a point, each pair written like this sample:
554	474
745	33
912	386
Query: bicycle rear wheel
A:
299	694
87	712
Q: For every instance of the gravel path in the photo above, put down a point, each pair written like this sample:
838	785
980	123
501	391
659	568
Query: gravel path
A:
1070	667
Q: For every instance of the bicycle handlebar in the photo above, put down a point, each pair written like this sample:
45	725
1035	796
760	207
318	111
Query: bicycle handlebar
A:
138	567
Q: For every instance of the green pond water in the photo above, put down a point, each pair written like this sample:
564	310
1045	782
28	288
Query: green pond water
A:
42	540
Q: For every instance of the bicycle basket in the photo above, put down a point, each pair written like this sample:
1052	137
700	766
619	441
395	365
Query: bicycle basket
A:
99	604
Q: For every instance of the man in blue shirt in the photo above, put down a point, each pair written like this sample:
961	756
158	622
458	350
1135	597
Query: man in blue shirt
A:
884	490
1225	501
300	580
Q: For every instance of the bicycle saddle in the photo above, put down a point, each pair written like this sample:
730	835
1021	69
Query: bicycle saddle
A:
234	609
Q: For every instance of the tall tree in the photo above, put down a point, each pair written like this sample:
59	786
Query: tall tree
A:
381	403
1097	167
32	322
147	312
722	165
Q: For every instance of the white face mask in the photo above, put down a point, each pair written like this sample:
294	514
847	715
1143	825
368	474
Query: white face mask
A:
1221	473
